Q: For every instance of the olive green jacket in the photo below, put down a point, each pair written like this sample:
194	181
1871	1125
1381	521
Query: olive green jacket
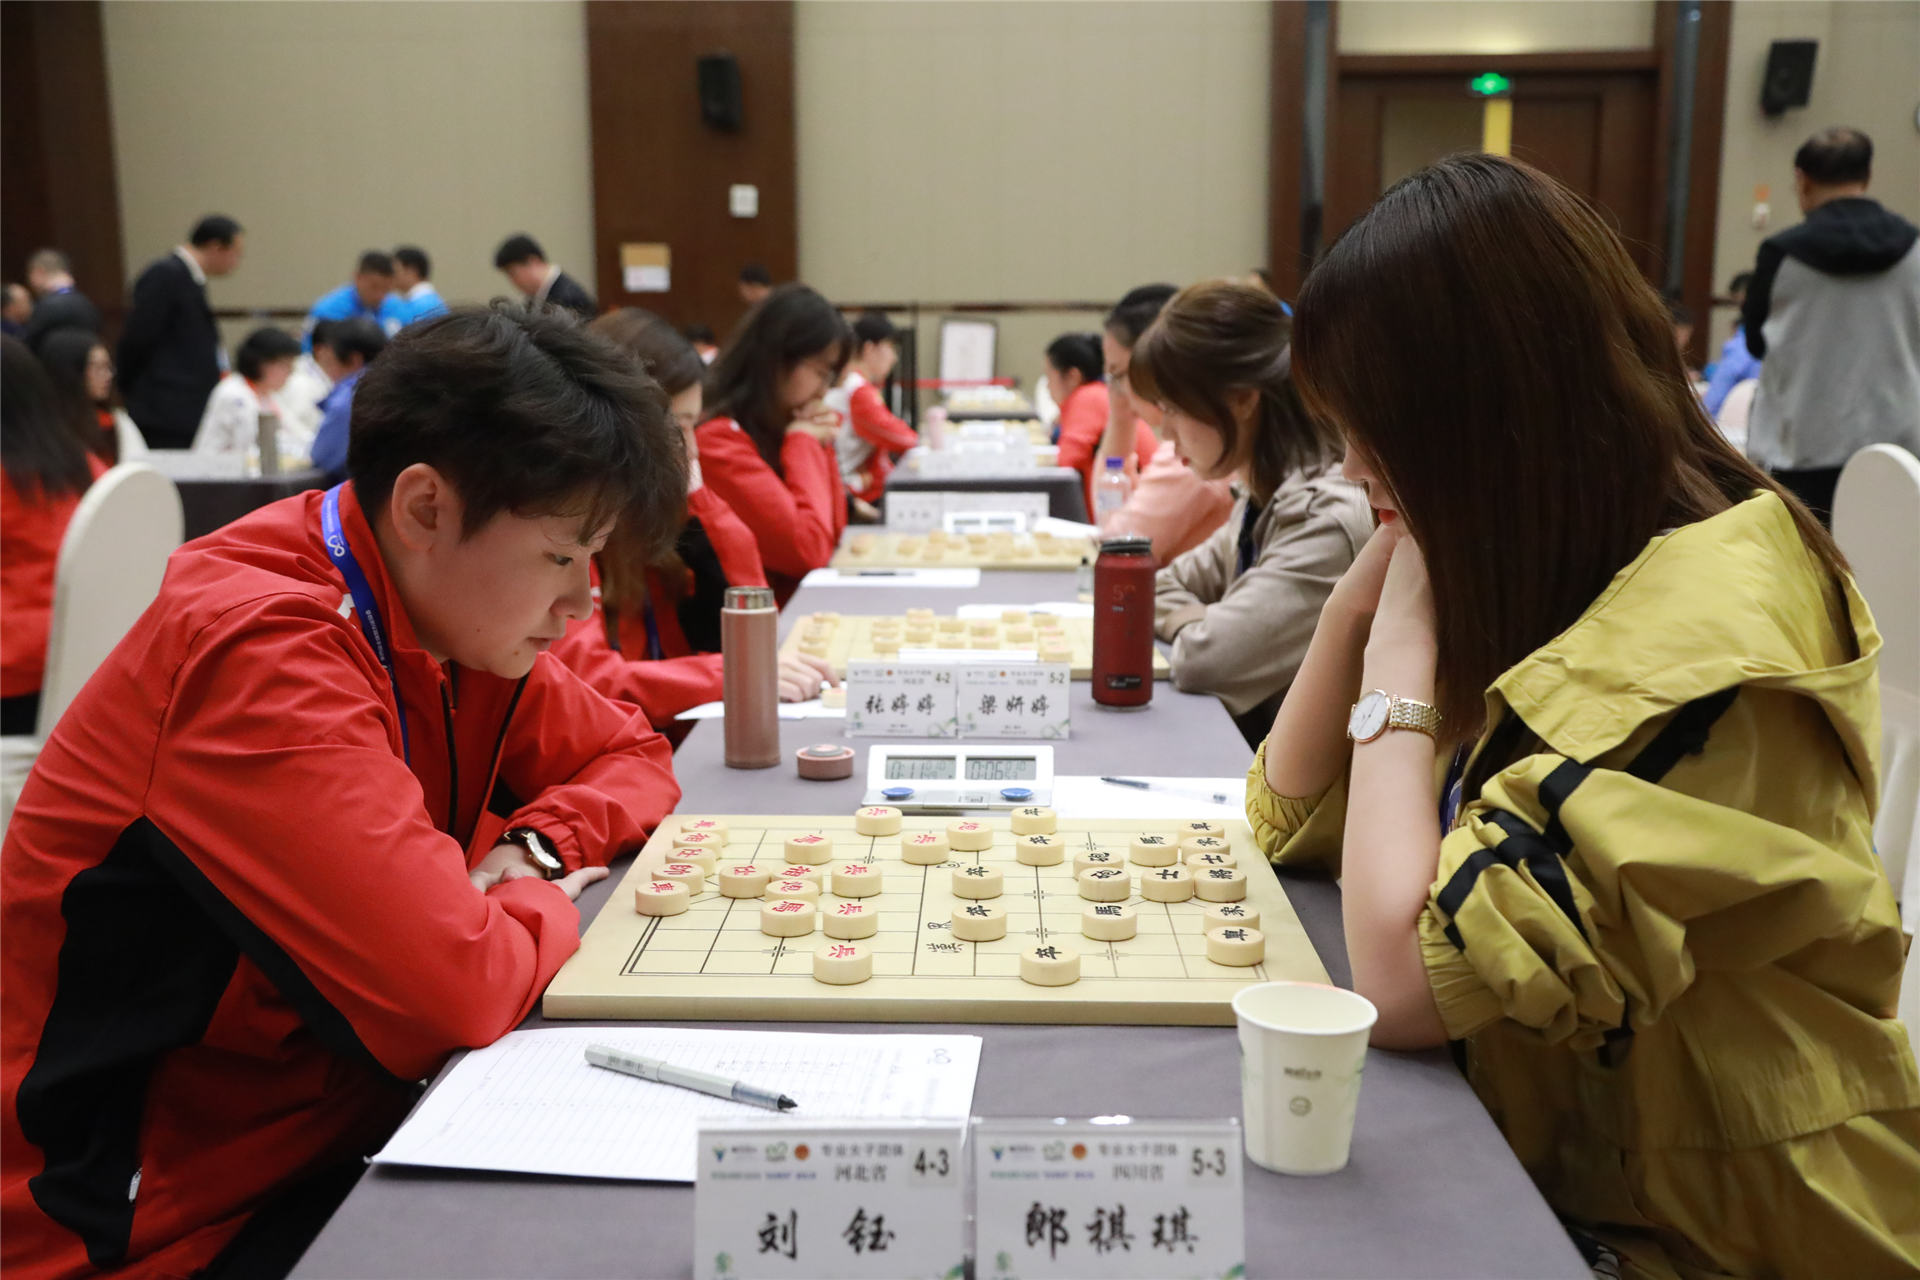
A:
1660	929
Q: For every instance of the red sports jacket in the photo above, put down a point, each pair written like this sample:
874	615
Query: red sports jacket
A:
31	530
684	676
874	423
235	926
796	517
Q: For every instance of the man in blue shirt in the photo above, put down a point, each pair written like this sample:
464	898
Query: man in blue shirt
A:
414	296
345	350
368	295
1736	363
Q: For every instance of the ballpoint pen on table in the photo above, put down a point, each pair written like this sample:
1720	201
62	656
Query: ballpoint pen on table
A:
1141	784
634	1064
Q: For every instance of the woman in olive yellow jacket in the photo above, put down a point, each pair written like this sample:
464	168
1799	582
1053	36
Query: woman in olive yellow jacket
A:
1642	900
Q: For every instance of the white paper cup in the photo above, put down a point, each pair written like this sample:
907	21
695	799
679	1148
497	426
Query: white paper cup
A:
1302	1046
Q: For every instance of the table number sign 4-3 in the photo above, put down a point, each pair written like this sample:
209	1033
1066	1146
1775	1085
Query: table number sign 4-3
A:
830	1201
1108	1197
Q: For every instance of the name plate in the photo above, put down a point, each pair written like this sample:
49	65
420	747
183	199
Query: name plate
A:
1158	1199
901	700
958	693
845	1201
1014	700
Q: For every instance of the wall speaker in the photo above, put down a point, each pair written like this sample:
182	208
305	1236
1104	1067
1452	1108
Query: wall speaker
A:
1789	77
720	91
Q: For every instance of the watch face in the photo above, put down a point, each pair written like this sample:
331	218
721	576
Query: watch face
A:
1369	718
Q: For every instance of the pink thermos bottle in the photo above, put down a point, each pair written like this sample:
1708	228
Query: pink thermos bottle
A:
1123	622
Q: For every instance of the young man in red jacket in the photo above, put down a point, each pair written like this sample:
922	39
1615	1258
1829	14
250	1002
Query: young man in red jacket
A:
319	820
869	433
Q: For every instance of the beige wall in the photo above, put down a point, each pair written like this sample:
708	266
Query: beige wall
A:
1030	151
1493	26
1866	74
329	128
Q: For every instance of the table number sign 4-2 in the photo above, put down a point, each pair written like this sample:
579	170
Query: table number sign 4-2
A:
1108	1197
830	1201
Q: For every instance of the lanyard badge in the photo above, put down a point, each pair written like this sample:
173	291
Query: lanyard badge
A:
372	625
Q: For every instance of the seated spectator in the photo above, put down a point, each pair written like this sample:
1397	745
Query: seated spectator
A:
16	310
869	435
1240	608
1834	311
414	296
654	640
59	305
1074	376
350	346
1736	364
521	259
701	336
82	371
307	387
1169	503
246	398
44	468
369	295
319	821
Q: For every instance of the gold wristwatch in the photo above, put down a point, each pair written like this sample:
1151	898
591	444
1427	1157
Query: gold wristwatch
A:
1378	711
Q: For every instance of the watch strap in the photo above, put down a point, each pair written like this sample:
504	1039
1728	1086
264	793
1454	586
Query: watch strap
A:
540	851
1405	713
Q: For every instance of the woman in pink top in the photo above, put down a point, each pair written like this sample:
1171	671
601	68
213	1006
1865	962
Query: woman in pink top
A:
1169	503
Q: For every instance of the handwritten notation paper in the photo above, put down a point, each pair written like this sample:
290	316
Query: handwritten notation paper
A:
529	1103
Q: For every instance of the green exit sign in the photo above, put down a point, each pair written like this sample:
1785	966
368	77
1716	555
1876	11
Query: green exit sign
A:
1490	84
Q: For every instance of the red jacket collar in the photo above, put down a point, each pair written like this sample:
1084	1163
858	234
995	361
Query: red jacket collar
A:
366	549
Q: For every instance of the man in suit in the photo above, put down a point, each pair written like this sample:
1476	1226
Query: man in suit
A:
169	357
59	305
524	263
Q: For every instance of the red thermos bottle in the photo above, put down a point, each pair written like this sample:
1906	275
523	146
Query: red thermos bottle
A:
1123	622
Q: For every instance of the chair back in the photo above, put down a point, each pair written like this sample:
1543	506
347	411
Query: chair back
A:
111	562
1876	520
1734	412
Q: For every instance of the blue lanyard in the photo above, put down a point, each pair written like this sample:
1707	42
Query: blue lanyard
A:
654	650
371	624
1453	790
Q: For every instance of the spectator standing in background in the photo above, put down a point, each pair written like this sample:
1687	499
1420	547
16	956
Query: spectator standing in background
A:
16	311
368	295
169	358
59	305
1736	364
344	352
755	283
1834	311
521	259
413	291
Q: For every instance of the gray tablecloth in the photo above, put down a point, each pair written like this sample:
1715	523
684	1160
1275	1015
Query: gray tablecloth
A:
1065	490
1432	1190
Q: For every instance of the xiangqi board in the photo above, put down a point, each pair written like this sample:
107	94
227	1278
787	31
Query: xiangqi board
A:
713	956
942	550
852	637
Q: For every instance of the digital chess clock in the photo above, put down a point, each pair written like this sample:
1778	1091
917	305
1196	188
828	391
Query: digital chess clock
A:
926	779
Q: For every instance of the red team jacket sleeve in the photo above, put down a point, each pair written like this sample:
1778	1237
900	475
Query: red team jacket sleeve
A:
285	789
796	519
732	541
593	775
874	424
662	688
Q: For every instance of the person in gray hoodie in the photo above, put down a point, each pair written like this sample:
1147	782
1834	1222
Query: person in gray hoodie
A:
1834	309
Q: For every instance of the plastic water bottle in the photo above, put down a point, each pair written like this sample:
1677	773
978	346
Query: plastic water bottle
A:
1111	490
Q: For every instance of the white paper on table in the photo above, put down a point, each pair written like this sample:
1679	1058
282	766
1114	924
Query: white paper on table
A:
812	710
529	1103
1082	796
892	578
1055	608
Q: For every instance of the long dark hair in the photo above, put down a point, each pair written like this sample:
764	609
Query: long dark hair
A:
66	353
1218	337
1483	336
791	324
42	454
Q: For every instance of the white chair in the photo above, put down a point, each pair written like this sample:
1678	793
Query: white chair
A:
111	562
1876	520
133	445
1734	412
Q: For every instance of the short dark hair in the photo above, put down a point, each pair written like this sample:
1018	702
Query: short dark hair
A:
215	228
873	326
700	333
48	260
1678	310
1134	312
662	352
1077	351
355	336
262	347
374	263
1835	156
793	324
1740	281
517	248
414	259
524	412
755	273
